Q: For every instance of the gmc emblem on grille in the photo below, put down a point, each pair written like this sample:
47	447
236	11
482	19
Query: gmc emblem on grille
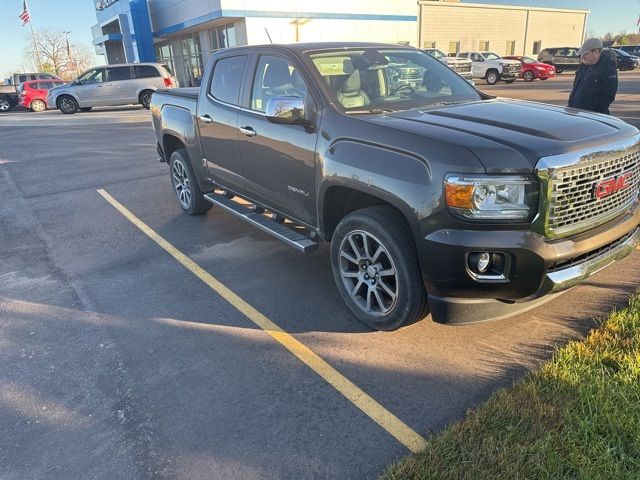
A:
609	186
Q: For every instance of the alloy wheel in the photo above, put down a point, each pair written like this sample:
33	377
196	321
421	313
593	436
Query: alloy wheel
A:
368	273
38	106
181	184
4	105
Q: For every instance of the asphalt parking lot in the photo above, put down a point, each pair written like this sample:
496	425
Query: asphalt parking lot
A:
117	361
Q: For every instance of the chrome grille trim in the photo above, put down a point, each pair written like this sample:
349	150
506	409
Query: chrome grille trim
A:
567	183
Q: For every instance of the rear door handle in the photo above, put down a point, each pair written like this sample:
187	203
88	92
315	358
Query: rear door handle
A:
248	131
205	118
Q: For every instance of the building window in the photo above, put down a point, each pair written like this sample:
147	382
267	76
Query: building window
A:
454	48
191	60
429	44
537	46
223	36
484	46
164	54
511	47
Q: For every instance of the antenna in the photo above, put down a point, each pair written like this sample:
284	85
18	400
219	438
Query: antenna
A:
265	29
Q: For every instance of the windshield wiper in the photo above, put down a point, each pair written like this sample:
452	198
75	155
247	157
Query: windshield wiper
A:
372	111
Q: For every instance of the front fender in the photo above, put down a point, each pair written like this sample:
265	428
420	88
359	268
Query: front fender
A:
399	178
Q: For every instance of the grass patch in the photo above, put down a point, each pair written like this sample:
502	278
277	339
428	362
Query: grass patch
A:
578	417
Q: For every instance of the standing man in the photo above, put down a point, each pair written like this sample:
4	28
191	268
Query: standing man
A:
596	82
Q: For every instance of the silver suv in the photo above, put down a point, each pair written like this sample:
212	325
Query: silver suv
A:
109	85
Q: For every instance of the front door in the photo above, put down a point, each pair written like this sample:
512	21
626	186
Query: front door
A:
278	160
91	88
218	107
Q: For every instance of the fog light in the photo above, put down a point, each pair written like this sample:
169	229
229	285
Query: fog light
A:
484	260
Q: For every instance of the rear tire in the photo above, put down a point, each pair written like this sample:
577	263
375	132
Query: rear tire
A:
67	104
5	103
528	76
491	77
145	98
376	270
38	106
185	184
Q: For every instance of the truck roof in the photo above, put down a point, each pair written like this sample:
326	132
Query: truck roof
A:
304	47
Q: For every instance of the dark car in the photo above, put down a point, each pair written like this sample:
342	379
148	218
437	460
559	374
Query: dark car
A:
624	60
563	58
429	191
630	49
532	69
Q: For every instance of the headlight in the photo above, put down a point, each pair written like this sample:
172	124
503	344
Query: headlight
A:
492	197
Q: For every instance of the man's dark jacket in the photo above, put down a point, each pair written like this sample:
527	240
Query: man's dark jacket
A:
595	86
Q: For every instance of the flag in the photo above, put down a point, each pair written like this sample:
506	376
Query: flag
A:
24	16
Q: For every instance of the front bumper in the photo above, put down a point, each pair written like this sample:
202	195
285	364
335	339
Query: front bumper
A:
539	267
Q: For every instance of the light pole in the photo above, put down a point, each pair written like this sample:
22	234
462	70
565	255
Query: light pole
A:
70	63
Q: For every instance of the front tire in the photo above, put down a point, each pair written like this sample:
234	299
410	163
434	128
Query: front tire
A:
375	268
68	105
185	185
528	76
145	98
492	77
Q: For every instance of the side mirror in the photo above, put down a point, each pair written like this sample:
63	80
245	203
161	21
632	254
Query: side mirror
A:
286	110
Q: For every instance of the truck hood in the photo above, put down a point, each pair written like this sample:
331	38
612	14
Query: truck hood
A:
510	135
456	61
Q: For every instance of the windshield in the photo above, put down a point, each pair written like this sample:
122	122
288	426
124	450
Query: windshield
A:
528	60
491	56
622	52
376	81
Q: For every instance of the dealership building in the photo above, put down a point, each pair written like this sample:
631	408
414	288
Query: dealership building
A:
184	33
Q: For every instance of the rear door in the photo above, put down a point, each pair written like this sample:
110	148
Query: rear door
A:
217	120
121	86
278	160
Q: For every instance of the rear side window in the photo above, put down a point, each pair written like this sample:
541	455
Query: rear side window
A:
145	71
118	73
227	74
44	85
166	67
44	76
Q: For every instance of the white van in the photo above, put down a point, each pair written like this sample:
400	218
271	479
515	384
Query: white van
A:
110	85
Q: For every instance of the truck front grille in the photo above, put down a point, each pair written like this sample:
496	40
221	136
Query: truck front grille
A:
573	202
461	68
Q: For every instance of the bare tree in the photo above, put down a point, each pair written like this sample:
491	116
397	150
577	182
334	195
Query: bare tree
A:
56	55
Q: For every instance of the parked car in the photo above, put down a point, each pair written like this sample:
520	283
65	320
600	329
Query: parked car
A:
33	94
438	195
630	49
111	85
9	92
492	67
530	69
563	58
624	60
462	66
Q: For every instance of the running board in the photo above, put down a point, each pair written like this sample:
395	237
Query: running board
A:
278	230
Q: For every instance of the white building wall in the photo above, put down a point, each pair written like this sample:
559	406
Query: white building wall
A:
470	24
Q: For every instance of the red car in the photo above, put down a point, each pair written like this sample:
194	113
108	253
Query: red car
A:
33	94
533	69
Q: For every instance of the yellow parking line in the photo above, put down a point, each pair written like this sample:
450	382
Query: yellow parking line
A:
359	398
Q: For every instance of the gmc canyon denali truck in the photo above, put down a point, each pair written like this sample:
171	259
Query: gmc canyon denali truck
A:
433	195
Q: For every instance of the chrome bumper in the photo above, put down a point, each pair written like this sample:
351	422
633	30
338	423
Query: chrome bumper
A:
569	277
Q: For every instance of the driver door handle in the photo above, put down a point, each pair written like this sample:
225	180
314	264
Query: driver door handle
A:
205	118
248	131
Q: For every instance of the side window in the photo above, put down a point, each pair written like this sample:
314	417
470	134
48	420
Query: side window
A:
118	73
44	76
227	74
145	71
561	52
275	76
92	76
45	85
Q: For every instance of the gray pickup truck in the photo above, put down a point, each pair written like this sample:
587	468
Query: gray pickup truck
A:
432	194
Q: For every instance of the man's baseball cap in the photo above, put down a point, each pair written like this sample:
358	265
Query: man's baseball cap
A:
590	44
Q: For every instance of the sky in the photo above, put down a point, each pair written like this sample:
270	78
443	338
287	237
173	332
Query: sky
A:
78	16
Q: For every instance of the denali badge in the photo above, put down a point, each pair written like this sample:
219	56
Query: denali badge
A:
611	185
